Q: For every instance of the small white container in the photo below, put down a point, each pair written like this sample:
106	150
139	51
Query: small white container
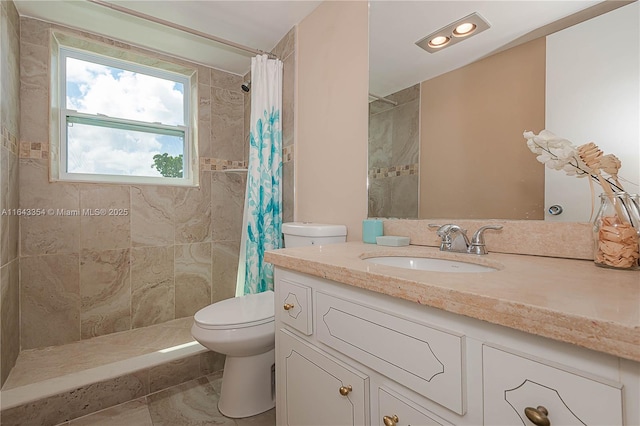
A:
393	241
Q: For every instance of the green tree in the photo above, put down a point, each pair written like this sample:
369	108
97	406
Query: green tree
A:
167	165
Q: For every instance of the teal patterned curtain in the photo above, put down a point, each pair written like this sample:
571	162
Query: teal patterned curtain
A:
262	220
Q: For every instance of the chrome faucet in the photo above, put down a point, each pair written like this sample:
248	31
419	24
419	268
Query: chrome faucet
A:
454	238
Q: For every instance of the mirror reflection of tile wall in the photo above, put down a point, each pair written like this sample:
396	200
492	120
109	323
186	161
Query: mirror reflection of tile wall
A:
393	155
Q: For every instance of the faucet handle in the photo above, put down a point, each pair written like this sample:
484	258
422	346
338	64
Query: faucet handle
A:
478	236
477	241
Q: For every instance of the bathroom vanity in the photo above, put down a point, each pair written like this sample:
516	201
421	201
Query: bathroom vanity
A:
537	341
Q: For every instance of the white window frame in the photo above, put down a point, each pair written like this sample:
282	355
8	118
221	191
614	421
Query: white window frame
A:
66	116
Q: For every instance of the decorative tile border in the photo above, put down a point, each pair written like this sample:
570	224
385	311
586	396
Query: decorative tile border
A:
213	164
38	150
34	150
9	141
385	172
287	154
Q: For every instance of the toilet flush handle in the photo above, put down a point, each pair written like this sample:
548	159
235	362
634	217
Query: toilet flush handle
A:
288	306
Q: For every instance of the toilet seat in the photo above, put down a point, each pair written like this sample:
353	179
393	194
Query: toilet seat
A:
237	312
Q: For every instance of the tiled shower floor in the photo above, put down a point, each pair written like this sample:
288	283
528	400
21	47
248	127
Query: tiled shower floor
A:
36	365
194	402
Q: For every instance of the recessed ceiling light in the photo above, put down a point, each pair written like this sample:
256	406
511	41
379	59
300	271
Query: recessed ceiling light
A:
439	41
453	33
464	30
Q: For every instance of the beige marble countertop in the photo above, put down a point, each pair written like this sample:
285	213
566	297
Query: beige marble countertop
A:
568	300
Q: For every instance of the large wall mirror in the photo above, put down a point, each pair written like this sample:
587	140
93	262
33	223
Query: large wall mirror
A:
446	142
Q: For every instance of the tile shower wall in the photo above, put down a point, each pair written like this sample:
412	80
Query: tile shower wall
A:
175	252
285	49
9	124
394	155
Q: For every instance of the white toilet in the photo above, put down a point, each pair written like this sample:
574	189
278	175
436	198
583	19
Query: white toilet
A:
243	329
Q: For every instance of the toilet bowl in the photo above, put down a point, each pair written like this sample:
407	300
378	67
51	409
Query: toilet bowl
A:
242	328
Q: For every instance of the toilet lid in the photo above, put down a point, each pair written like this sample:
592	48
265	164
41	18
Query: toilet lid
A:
237	312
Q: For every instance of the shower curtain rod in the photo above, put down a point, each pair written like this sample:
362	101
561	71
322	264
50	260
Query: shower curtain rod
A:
383	99
182	28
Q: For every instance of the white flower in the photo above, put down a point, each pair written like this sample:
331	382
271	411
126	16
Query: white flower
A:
556	153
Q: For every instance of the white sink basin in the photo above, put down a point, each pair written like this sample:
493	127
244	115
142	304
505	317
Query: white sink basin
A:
427	264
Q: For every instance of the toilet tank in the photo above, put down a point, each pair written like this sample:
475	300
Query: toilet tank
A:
299	234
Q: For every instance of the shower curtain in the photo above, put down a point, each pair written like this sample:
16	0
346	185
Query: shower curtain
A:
262	219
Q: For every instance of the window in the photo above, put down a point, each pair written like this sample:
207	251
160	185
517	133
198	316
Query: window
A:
121	121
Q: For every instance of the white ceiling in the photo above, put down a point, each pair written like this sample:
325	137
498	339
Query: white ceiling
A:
395	61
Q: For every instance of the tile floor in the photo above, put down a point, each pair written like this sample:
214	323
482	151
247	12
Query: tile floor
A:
190	403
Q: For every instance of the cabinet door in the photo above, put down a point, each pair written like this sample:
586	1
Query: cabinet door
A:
513	382
427	360
318	389
294	305
395	410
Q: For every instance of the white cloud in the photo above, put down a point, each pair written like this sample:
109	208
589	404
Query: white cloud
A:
97	89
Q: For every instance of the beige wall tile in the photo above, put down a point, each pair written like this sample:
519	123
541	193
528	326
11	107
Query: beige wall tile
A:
204	75
110	230
34	93
193	278
288	100
79	402
225	80
227	205
34	31
158	217
152	285
49	300
10	321
10	69
286	46
204	103
211	362
4	198
174	373
227	123
224	269
105	292
193	212
9	224
49	234
287	191
12	202
152	215
204	139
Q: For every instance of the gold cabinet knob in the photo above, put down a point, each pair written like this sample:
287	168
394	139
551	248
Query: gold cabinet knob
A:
345	390
538	416
288	306
390	421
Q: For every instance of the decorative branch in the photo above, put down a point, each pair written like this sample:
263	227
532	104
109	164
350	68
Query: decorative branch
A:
582	171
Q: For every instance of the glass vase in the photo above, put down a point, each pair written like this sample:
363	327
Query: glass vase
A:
616	231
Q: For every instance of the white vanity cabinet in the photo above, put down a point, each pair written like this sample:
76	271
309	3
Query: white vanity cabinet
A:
363	358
